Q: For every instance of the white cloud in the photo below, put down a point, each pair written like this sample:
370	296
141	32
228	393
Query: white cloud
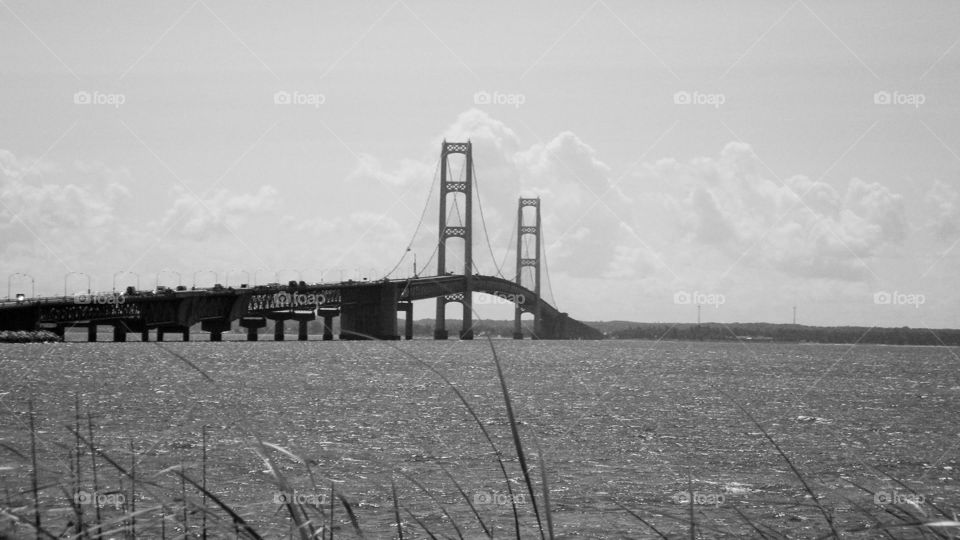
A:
221	212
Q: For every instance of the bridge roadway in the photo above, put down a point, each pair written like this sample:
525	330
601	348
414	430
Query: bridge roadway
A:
366	309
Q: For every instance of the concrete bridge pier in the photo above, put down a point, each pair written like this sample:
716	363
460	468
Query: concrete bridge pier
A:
92	333
278	329
252	324
303	318
182	330
407	308
328	315
369	311
216	327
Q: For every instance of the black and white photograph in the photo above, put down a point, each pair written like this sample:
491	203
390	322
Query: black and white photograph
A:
410	269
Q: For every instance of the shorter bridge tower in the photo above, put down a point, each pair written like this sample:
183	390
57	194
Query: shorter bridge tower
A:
523	262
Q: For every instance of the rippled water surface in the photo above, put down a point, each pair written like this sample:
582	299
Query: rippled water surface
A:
628	422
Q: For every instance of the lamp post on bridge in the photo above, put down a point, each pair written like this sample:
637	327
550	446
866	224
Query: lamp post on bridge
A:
115	274
167	270
247	274
68	274
215	276
33	287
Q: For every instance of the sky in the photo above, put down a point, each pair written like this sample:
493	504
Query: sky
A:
745	156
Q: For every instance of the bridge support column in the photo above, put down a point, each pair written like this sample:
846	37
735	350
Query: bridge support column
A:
278	329
252	324
369	311
407	308
302	330
216	328
328	315
92	333
119	333
303	319
145	333
182	330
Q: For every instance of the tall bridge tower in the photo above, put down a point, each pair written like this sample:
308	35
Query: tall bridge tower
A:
462	230
523	262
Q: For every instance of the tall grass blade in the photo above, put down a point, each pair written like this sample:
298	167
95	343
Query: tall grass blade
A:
203	481
469	502
436	501
546	492
34	479
332	499
93	466
639	518
237	520
396	509
516	437
693	518
476	418
793	468
78	478
420	523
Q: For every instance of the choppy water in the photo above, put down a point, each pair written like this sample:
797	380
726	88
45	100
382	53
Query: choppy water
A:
625	421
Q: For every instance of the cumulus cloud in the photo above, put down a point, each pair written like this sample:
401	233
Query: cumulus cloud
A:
40	200
220	212
944	220
799	226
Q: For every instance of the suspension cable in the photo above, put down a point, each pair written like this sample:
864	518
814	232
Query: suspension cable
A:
546	269
423	214
506	253
483	220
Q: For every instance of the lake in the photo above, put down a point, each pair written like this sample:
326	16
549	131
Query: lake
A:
640	423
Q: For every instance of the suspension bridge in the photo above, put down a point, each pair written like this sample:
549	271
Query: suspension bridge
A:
366	309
